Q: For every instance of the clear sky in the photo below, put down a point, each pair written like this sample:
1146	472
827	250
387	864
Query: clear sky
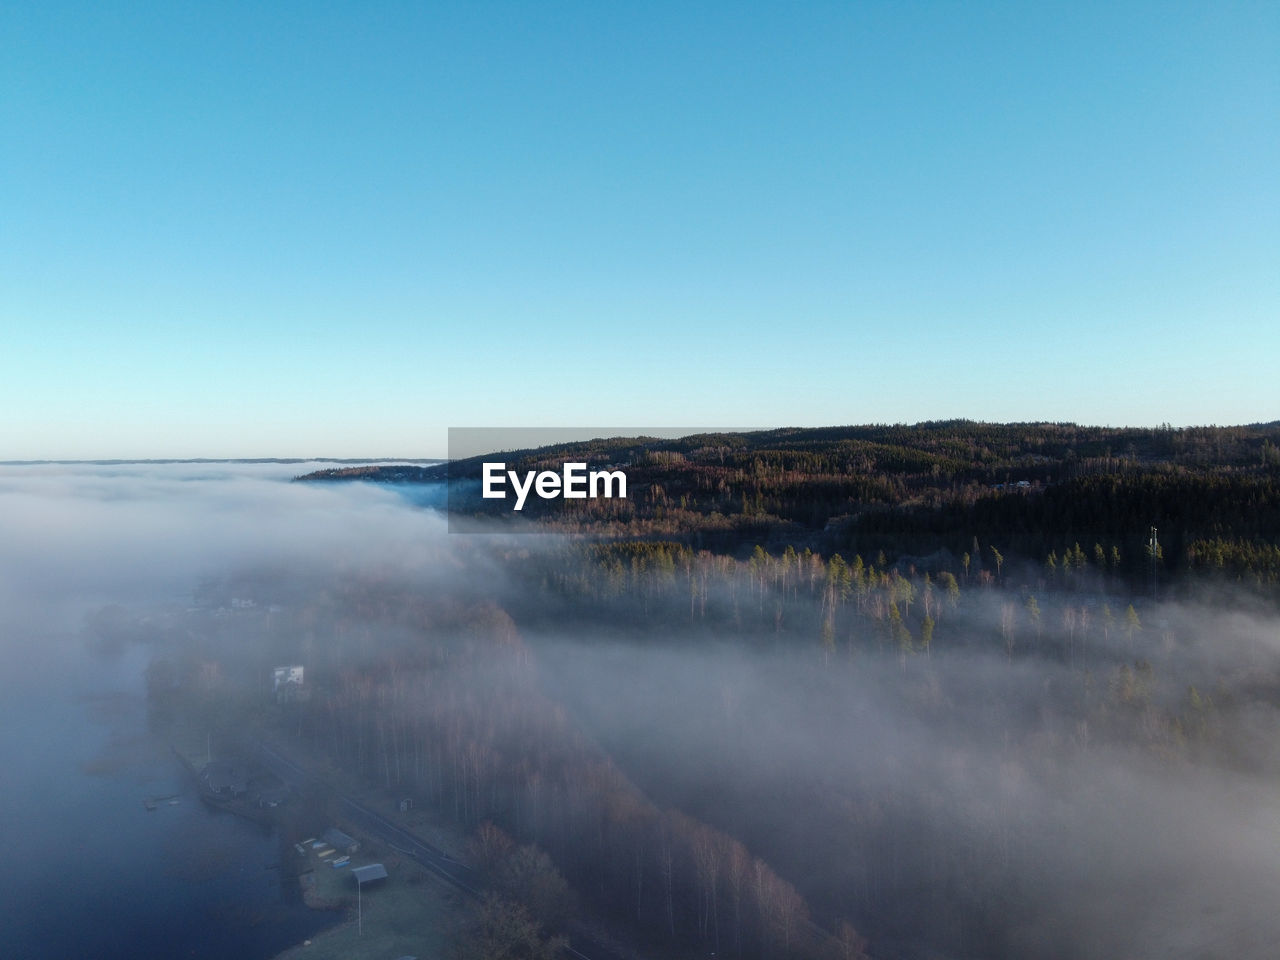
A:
339	228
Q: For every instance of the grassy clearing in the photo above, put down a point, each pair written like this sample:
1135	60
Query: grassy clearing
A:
408	914
411	913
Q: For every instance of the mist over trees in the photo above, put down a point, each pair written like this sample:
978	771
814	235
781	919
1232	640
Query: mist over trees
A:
761	754
795	746
772	751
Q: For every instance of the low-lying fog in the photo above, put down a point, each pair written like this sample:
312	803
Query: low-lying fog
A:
92	873
74	536
1038	808
970	787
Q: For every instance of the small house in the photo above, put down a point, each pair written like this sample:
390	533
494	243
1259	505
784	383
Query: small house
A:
225	779
340	841
369	873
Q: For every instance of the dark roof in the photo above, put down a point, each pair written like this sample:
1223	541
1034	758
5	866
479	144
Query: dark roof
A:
369	872
336	838
274	794
220	776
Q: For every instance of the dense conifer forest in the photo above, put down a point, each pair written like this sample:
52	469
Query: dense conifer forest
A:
1060	498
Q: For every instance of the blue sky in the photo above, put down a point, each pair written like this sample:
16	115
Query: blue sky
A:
337	229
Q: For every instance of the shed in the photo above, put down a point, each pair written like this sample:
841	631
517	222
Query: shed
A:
369	873
225	778
273	796
340	841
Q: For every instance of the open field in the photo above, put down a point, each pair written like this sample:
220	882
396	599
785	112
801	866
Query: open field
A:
407	914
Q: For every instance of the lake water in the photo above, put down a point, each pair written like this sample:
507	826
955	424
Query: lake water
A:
89	872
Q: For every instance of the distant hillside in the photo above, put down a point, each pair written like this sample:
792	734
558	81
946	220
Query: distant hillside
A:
381	473
1033	490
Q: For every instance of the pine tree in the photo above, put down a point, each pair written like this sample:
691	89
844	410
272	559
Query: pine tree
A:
952	588
1131	622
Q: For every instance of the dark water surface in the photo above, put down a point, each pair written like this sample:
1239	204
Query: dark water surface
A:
88	871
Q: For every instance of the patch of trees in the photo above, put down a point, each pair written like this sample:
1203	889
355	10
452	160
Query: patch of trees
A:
459	720
912	490
377	473
503	929
439	697
1238	560
886	849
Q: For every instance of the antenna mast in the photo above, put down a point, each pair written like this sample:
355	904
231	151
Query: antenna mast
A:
1154	548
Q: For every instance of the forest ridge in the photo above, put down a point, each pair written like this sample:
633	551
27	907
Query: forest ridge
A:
1038	491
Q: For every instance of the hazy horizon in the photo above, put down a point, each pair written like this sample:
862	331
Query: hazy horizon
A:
1088	810
572	434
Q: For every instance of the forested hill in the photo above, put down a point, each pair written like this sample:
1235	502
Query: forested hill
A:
1044	493
381	473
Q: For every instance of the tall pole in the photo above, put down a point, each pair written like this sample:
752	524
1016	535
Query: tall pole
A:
1155	552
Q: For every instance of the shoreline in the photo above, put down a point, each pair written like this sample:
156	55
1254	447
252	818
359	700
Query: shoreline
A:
321	905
